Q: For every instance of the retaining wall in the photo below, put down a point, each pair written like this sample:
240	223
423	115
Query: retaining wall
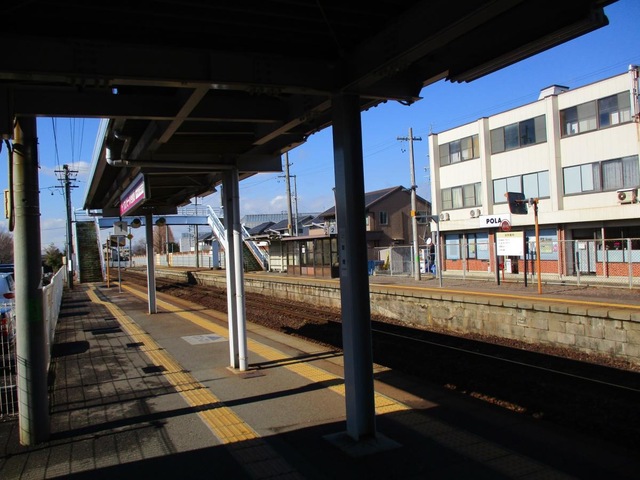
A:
587	329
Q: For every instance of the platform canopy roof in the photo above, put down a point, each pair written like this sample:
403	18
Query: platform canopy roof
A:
192	88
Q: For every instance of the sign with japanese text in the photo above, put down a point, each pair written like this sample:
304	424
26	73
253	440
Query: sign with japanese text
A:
510	244
133	196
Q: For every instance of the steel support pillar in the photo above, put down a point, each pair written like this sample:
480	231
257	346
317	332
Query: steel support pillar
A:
31	344
238	252
354	277
151	264
234	269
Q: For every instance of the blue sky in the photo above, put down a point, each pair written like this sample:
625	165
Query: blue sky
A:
600	54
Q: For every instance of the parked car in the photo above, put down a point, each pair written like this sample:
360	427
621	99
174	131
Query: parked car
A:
7	268
7	314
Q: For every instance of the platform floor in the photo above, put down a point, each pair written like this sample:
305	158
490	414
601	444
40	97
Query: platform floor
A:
134	395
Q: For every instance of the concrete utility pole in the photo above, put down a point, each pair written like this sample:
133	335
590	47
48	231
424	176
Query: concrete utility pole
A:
295	196
414	219
288	182
31	342
67	198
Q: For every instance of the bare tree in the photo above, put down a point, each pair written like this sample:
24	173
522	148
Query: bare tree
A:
139	247
6	245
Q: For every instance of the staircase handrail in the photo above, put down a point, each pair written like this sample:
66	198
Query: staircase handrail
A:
221	234
261	255
217	227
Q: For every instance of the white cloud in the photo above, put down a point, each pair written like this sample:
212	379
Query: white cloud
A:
78	170
53	230
278	204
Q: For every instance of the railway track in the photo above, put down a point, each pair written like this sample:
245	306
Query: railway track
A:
589	398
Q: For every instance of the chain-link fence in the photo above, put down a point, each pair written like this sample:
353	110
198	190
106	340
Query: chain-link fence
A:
8	390
396	260
51	301
614	262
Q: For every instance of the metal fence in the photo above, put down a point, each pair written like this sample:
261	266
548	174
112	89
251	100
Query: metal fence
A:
612	262
206	259
396	260
51	301
609	262
8	390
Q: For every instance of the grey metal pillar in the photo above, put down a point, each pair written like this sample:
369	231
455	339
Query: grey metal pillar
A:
230	270
354	277
238	253
151	264
31	344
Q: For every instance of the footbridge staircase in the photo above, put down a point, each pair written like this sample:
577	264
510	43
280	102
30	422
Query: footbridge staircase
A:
254	257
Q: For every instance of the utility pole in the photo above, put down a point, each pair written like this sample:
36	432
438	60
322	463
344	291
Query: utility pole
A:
414	219
67	197
31	336
288	185
295	196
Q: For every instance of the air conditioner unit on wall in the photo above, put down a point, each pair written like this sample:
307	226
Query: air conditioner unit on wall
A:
627	195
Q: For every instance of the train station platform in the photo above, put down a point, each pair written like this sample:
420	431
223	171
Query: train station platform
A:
134	395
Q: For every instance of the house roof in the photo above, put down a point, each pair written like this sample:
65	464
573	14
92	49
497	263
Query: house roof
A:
280	227
260	229
371	198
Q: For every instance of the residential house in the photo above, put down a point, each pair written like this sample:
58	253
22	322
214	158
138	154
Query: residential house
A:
389	224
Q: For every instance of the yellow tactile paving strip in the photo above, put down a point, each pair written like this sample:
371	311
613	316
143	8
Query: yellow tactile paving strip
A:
228	427
224	423
383	404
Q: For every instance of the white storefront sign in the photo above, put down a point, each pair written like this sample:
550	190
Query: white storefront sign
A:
510	244
493	221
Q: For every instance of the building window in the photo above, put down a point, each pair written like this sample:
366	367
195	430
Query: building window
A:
549	246
461	196
614	110
579	119
518	135
452	247
422	217
459	150
602	176
478	246
384	219
601	113
536	185
533	185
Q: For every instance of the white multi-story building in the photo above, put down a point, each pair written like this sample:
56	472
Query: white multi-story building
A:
575	150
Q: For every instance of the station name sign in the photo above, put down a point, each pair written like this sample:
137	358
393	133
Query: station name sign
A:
488	221
133	196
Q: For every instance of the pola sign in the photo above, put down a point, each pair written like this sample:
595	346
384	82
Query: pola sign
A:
493	220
